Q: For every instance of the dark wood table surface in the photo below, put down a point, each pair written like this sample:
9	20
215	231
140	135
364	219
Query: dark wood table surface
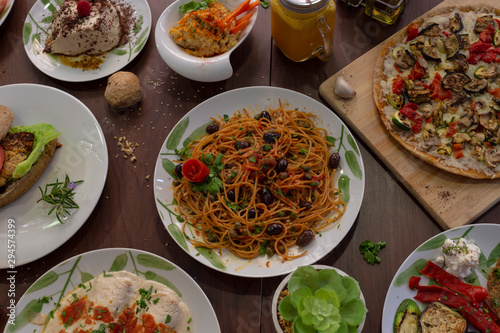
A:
126	215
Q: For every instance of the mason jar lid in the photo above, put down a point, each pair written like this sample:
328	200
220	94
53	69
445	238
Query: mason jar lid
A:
303	6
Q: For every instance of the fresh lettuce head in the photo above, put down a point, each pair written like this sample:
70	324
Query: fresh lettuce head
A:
44	133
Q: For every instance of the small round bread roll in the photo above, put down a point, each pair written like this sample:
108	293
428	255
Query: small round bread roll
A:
6	119
123	90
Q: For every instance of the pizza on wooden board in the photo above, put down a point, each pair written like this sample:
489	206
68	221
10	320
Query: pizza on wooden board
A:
437	89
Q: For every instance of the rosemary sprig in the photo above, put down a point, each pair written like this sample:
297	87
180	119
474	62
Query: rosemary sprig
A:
61	197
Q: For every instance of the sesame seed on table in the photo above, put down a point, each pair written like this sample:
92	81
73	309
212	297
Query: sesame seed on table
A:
126	214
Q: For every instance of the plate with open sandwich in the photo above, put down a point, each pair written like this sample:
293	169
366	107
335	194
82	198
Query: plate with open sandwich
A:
5	7
118	288
27	228
85	40
437	88
449	283
258	181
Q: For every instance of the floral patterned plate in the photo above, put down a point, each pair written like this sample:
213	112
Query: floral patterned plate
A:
351	181
35	32
486	236
66	276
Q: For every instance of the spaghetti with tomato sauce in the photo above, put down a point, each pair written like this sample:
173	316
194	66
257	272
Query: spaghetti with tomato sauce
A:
258	185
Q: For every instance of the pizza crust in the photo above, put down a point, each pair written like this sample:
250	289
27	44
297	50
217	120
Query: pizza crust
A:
381	102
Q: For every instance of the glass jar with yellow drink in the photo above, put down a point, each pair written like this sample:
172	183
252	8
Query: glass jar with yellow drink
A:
303	29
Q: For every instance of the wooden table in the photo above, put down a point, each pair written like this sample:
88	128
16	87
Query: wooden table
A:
126	215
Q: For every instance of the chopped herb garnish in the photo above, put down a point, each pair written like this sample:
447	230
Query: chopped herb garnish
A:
370	251
102	329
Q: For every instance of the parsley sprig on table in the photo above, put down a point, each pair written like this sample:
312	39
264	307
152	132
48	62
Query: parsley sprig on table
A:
370	250
213	183
61	196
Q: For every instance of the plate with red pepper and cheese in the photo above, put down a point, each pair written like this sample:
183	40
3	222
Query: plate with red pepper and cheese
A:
437	89
446	282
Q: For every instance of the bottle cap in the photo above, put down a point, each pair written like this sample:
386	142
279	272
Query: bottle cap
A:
303	6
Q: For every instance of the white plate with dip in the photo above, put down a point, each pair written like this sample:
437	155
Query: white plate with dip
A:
255	100
82	156
66	276
486	236
211	69
6	11
37	26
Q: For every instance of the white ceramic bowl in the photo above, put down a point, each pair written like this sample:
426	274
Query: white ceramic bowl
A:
211	69
282	285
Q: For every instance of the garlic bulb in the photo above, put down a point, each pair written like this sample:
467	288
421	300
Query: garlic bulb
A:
342	88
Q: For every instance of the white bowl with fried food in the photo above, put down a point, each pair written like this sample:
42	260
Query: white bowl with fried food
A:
202	69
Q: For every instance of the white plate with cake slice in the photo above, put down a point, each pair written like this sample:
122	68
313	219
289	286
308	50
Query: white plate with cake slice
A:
38	26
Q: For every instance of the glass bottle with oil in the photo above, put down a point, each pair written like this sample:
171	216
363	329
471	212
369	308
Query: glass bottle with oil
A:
386	11
303	29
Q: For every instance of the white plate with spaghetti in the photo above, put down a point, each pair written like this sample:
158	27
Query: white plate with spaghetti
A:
82	156
36	29
70	274
351	178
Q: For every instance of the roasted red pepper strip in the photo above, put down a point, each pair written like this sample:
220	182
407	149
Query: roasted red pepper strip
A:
414	281
438	92
458	150
195	170
476	294
417	72
409	111
449	298
452	129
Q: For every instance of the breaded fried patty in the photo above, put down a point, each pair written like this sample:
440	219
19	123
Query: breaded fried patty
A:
17	147
494	288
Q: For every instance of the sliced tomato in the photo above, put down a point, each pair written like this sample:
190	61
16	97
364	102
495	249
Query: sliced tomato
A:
412	32
495	92
3	3
487	35
397	86
417	72
2	157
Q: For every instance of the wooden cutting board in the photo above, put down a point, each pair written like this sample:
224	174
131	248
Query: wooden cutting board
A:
451	199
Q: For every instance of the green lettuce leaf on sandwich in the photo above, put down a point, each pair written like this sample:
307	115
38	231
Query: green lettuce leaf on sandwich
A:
44	133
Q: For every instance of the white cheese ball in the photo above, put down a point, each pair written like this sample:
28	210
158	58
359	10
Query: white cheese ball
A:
123	90
459	257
